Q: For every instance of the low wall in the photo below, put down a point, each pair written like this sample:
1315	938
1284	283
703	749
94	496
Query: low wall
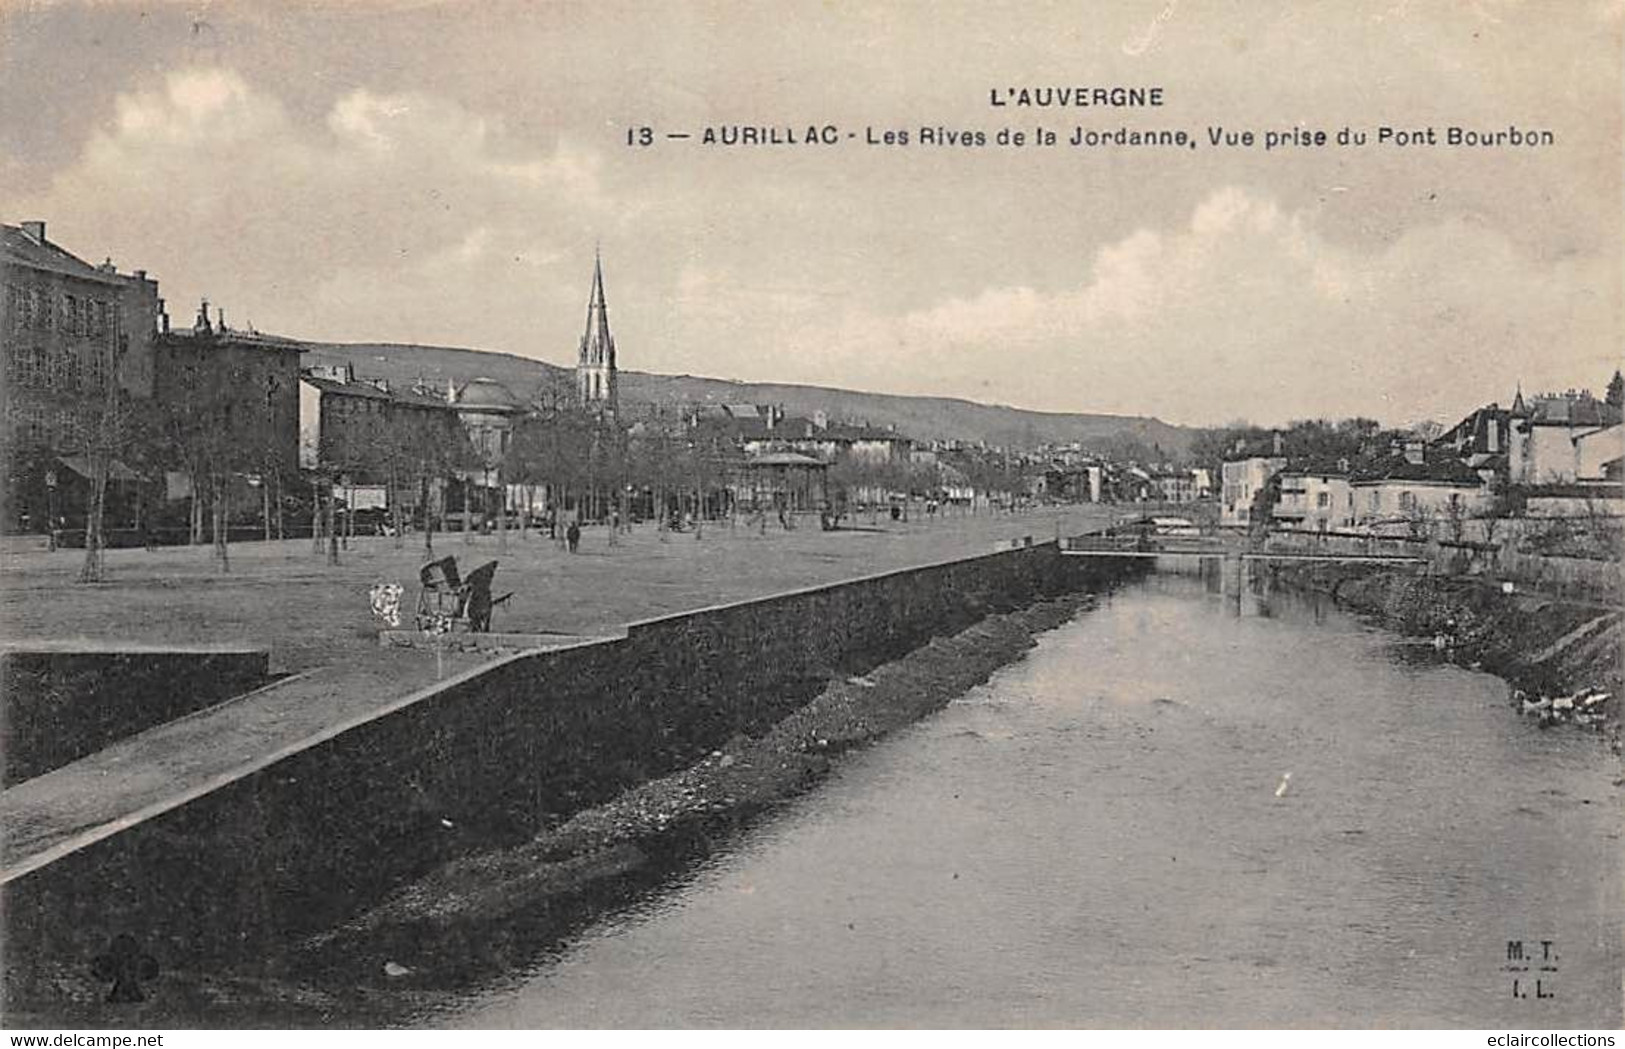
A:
485	759
1574	577
62	702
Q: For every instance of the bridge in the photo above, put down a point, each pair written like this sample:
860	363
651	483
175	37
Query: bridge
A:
1341	550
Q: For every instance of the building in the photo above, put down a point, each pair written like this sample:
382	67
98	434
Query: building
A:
1176	486
597	382
487	411
230	398
1562	438
392	444
1244	477
765	429
1545	440
1316	499
70	329
1409	491
1484	438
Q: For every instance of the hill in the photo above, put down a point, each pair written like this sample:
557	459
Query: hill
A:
923	418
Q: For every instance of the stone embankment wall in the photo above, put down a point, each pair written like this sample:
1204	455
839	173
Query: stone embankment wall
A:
485	760
62	702
1569	577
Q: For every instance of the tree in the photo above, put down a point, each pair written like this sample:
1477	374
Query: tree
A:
1616	390
104	429
1262	513
1427	429
432	446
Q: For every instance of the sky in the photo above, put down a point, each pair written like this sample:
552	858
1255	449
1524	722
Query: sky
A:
442	173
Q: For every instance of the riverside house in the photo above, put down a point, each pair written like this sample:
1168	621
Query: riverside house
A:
1406	491
1316	499
1244	477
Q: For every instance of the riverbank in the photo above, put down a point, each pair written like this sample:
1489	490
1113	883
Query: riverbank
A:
1554	653
491	913
496	913
1177	810
473	766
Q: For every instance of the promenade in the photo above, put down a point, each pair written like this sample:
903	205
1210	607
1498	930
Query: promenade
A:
283	596
316	621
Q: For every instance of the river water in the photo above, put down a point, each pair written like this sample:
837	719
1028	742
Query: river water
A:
1179	810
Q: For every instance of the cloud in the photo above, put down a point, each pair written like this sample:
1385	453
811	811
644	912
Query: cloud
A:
1244	309
408	200
408	216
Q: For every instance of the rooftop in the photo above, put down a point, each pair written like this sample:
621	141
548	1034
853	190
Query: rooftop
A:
371	392
1572	411
487	394
20	247
1441	469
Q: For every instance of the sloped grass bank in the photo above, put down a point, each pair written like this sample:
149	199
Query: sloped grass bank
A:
1545	648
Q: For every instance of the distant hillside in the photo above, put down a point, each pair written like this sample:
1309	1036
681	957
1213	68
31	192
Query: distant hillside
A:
918	417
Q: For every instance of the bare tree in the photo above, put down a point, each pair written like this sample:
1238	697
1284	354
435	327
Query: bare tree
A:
1604	532
1455	518
111	427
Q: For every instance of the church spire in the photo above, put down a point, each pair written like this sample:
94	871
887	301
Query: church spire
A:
597	297
595	367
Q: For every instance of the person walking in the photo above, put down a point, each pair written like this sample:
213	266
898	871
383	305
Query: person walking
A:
572	536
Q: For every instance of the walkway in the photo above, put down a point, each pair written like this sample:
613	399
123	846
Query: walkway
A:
316	621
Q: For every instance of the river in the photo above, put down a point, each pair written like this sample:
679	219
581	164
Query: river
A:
1179	810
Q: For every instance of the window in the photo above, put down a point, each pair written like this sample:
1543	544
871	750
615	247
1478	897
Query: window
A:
70	315
33	423
1323	499
96	372
1407	500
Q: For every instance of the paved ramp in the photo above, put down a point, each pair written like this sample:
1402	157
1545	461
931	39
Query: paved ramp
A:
145	775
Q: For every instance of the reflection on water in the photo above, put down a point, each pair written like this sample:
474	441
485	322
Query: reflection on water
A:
1180	809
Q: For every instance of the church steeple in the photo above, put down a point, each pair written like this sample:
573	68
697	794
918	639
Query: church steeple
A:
595	367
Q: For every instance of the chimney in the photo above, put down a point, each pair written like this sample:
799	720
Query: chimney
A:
1277	444
35	231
